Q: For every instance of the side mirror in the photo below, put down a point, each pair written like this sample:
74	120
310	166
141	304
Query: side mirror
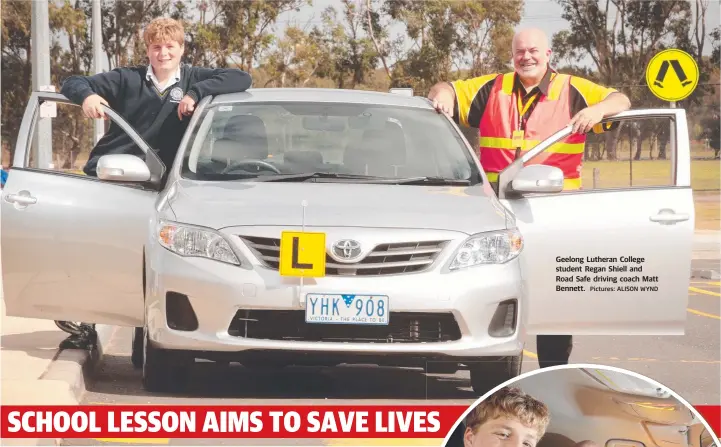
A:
123	168
538	178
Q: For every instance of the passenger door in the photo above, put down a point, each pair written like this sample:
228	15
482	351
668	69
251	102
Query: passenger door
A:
72	245
640	224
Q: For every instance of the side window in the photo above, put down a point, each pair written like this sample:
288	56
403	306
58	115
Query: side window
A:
632	153
637	153
62	139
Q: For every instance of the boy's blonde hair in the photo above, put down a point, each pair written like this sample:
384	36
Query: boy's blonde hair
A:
164	29
514	404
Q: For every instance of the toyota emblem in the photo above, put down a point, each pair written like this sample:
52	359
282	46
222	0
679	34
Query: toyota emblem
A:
347	249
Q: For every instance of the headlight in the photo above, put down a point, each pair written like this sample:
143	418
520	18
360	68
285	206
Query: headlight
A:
495	247
186	240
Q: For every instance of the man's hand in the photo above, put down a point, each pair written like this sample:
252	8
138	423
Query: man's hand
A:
186	107
443	100
584	120
92	107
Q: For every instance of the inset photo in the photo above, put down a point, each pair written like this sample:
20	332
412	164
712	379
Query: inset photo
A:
582	406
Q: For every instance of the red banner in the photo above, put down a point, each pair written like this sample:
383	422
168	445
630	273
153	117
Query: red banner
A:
155	421
712	414
175	421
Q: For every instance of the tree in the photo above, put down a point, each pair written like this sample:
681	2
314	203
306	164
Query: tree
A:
123	23
16	70
620	37
449	35
487	27
244	28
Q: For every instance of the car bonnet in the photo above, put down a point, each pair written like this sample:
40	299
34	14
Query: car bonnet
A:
224	204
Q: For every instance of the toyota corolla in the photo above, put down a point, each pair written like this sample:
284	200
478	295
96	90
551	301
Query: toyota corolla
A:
310	226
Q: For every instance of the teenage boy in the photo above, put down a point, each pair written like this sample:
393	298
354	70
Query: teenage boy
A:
508	418
156	100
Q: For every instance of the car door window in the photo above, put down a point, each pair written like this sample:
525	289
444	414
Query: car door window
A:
634	150
56	137
629	153
62	139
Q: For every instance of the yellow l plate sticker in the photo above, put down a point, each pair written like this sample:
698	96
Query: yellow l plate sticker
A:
302	254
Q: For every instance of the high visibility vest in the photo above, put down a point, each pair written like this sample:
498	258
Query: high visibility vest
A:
551	114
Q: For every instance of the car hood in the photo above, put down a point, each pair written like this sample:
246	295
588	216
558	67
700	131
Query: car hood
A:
224	204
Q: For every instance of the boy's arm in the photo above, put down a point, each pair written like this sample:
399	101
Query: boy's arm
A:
209	81
107	85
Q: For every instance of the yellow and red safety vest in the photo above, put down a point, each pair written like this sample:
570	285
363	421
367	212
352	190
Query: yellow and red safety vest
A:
551	113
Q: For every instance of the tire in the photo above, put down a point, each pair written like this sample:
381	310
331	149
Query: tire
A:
136	350
491	372
164	370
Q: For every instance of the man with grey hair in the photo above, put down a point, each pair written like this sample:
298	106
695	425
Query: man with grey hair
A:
514	111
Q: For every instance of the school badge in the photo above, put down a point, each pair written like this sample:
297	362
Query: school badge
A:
176	94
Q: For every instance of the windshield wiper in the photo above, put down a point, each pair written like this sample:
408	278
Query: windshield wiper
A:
366	178
432	181
311	175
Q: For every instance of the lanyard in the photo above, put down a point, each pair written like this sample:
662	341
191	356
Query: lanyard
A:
523	109
517	140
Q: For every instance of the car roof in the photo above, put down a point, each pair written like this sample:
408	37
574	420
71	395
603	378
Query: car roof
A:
323	95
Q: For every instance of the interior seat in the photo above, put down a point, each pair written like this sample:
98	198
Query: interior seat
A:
244	137
379	151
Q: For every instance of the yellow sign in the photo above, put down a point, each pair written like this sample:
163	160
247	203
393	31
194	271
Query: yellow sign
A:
672	75
302	254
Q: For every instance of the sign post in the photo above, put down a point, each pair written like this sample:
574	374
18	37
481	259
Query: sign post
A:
42	146
97	56
672	75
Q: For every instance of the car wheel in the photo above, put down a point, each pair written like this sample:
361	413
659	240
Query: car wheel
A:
489	373
136	350
164	370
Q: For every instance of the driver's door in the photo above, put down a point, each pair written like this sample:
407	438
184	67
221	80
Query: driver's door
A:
72	245
642	226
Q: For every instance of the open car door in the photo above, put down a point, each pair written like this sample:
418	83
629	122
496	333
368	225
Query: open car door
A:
610	261
72	245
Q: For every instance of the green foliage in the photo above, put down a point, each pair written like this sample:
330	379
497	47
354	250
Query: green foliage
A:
351	44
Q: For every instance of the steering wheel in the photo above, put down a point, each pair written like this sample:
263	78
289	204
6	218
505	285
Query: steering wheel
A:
234	166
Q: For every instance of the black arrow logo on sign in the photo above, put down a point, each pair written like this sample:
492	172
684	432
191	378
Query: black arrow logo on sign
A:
676	68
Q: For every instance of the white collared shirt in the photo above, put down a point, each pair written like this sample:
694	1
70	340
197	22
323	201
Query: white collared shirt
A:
161	88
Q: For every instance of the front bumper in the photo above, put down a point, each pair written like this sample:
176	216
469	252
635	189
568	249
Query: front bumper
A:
461	303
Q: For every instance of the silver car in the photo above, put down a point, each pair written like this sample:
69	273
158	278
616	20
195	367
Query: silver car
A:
311	226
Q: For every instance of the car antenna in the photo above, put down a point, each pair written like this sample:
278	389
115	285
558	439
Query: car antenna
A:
303	205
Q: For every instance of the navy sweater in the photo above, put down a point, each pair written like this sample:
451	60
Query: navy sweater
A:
152	115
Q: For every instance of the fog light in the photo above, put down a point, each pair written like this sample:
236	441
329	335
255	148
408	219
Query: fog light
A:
503	323
179	312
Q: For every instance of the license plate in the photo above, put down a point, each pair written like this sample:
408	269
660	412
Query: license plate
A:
346	309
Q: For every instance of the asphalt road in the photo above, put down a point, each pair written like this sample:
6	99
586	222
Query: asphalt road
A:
689	364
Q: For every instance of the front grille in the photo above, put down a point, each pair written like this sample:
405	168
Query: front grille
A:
403	327
384	259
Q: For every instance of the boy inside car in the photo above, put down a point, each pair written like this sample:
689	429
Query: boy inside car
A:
508	418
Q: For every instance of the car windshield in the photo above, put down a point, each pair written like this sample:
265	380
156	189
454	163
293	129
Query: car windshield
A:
327	142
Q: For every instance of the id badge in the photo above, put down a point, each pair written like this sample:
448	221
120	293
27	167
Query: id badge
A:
517	140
